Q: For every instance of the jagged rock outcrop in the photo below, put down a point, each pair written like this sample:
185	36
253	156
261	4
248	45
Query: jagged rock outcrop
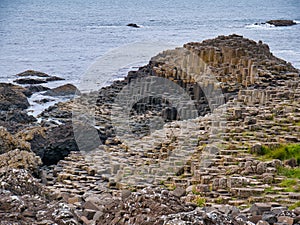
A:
8	142
33	77
24	200
13	102
21	160
64	90
13	97
51	144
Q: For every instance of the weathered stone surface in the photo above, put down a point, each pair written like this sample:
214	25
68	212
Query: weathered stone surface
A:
64	90
12	97
21	160
260	208
23	199
286	219
54	143
269	217
8	142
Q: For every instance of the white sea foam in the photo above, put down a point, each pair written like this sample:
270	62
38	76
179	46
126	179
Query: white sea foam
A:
261	26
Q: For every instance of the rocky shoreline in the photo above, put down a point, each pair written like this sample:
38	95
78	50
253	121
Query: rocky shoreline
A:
199	165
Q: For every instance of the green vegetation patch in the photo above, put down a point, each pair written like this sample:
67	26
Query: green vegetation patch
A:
294	206
290	185
199	201
289	172
282	152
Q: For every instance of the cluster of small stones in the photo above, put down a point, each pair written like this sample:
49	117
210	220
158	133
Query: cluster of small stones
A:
206	157
23	199
76	181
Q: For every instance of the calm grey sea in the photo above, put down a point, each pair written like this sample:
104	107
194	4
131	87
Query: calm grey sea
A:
64	37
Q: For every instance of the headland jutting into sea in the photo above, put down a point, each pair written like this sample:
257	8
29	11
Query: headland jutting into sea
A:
234	160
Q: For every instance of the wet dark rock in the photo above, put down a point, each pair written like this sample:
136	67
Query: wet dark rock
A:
64	90
16	120
133	25
26	77
20	182
16	116
12	97
54	78
13	102
29	73
29	81
37	88
280	23
44	100
55	144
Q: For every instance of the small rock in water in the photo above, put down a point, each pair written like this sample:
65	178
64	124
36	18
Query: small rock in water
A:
133	25
29	73
281	23
29	81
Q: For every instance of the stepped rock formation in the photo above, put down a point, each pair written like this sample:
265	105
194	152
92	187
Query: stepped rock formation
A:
164	171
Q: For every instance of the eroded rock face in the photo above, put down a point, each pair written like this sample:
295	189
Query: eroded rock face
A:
8	142
12	97
52	144
20	160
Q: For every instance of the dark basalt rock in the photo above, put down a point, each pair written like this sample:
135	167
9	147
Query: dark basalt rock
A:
29	73
26	77
29	81
54	78
57	142
16	116
64	90
13	97
133	25
281	23
43	101
37	88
